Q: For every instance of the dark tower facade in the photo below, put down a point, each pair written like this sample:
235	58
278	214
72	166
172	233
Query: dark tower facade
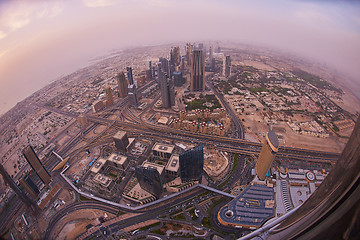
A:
122	85
197	71
165	66
149	180
130	75
30	186
191	164
23	197
35	163
121	141
226	66
133	96
167	91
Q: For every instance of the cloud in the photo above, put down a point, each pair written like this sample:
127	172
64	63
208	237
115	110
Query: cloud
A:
100	3
311	16
2	34
15	15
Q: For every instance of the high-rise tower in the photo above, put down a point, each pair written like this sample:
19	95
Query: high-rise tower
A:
149	180
197	71
167	90
267	154
23	197
122	85
165	66
109	97
35	163
130	75
133	97
121	141
191	164
226	66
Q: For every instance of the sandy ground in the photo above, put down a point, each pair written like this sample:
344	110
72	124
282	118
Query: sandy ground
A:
258	65
256	127
75	223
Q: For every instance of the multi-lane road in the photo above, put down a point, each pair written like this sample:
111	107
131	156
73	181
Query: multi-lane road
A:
137	127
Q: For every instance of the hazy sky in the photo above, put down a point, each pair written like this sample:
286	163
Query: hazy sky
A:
41	40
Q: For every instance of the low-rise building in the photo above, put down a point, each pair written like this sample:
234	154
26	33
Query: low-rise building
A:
163	150
172	166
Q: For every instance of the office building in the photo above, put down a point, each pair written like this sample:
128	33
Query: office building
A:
122	85
172	166
82	119
179	80
191	164
35	163
188	50
197	71
121	141
149	180
267	154
164	66
200	46
30	186
162	150
23	197
226	66
109	96
118	161
133	96
97	106
167	91
130	75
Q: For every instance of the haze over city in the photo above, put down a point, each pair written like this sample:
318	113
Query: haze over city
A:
179	119
43	40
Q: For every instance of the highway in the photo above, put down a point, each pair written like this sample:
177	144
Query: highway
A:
135	126
239	128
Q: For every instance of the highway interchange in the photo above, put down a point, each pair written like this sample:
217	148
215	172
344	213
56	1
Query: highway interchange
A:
136	127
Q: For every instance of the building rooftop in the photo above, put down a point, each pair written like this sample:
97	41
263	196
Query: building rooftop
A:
162	147
173	163
120	134
98	165
163	120
118	159
251	208
273	139
102	179
158	167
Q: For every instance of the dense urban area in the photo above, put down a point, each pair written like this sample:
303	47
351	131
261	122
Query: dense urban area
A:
188	140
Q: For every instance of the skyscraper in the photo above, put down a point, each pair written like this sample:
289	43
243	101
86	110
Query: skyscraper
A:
226	66
23	197
165	66
35	163
30	186
82	119
197	71
167	90
109	97
191	164
267	154
130	75
149	180
178	79
121	141
133	97
188	50
122	85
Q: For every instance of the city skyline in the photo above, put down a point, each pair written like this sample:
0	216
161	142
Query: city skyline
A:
209	140
36	37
